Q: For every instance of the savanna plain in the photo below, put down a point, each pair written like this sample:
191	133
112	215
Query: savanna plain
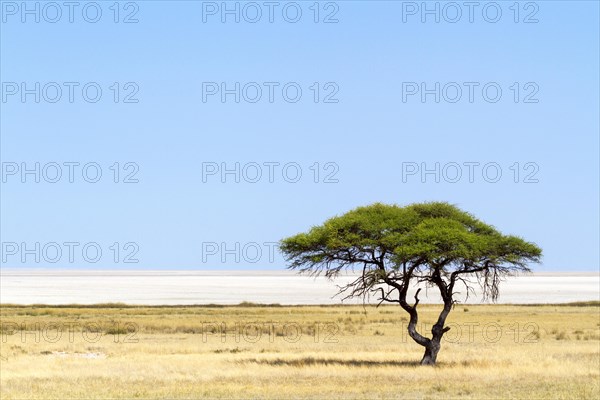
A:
110	351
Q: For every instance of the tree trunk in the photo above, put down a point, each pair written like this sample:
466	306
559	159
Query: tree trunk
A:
432	346
431	352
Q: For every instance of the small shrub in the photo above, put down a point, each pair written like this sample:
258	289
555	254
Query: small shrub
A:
232	351
562	335
438	387
118	330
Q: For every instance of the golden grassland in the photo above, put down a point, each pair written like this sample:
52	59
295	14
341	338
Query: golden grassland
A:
251	351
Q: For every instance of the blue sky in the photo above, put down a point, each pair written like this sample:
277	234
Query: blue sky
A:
369	134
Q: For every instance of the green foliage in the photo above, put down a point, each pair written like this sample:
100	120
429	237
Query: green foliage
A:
434	235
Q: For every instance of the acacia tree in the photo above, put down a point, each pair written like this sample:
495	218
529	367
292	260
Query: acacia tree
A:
434	244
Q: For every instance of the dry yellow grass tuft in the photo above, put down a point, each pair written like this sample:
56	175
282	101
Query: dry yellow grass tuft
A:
251	351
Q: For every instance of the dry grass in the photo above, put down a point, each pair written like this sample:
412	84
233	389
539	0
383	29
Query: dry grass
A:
250	351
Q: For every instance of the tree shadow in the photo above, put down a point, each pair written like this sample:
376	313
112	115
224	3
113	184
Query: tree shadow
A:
312	361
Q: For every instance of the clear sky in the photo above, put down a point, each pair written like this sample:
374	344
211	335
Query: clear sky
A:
386	93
